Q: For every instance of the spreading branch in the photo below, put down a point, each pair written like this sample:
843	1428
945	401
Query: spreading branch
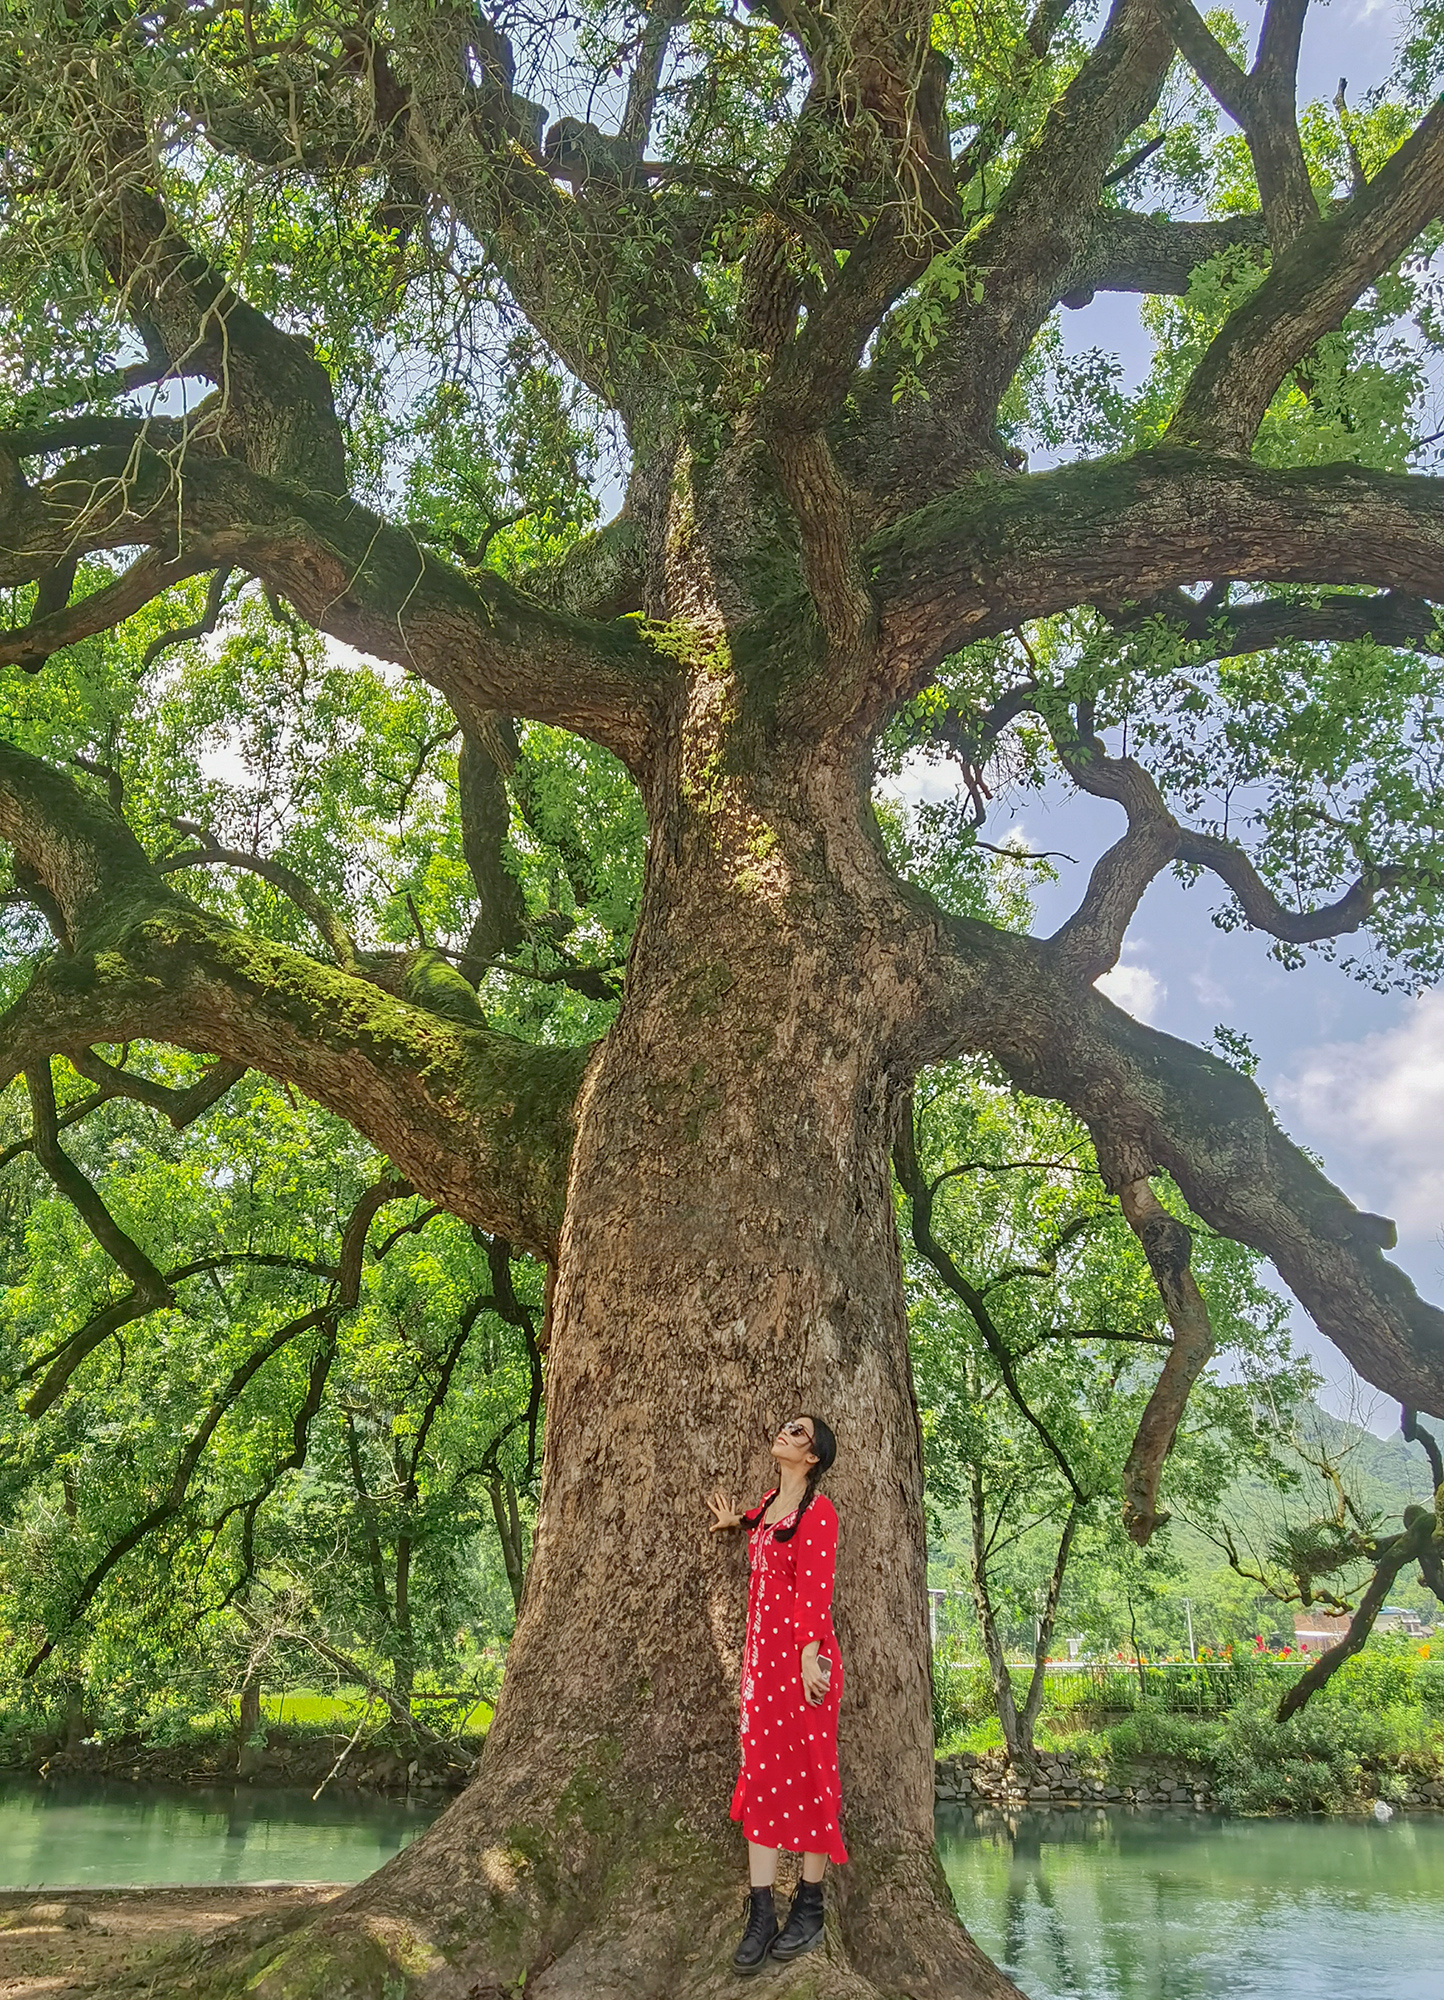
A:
344	1299
337	938
61	1362
477	1120
482	642
181	1107
920	1204
999	552
1155	1104
1090	941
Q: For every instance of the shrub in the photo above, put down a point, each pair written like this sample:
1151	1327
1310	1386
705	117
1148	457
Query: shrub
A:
962	1696
1152	1731
1315	1762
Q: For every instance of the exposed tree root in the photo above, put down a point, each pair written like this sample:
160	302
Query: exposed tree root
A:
669	1936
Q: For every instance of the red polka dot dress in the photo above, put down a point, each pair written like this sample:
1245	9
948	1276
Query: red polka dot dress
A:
787	1791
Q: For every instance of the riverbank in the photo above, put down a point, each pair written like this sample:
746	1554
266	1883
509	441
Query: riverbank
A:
304	1758
1162	1761
62	1944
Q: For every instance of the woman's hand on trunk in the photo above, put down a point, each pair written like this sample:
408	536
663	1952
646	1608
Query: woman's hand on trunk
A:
724	1514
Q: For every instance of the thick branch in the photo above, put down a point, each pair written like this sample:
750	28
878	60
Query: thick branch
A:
999	552
485	644
1262	102
1090	941
273	407
478	1121
1415	1433
30	646
1124	252
485	811
1390	618
1017	264
1312	285
1264	910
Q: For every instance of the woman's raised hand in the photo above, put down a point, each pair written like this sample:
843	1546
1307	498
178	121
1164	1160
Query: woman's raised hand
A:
724	1514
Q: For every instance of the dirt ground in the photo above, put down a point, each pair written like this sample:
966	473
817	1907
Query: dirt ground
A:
60	1944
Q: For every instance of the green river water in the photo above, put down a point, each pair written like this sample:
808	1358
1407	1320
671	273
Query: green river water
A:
1096	1906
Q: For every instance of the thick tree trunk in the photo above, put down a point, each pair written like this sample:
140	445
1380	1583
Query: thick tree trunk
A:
729	1258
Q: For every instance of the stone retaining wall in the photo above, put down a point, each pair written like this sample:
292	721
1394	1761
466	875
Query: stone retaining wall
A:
971	1779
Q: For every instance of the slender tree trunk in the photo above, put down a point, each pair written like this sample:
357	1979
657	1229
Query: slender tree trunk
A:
403	1664
1138	1660
1017	1740
507	1516
248	1727
1037	1685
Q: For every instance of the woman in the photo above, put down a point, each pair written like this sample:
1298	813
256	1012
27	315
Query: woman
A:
787	1791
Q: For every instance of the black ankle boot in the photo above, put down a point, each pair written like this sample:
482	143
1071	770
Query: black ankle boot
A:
751	1955
803	1929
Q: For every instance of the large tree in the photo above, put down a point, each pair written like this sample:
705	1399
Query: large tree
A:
812	274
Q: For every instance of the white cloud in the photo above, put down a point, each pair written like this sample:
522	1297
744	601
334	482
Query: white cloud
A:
1135	989
1378	1105
924	780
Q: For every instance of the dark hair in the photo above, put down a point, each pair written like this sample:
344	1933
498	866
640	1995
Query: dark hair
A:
824	1446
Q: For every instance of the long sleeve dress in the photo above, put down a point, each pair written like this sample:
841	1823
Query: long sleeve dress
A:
788	1793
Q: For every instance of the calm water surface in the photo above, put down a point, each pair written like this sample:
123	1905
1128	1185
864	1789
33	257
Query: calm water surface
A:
1097	1906
76	1833
1125	1906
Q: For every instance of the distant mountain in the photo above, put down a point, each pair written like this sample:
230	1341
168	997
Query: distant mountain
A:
1381	1474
